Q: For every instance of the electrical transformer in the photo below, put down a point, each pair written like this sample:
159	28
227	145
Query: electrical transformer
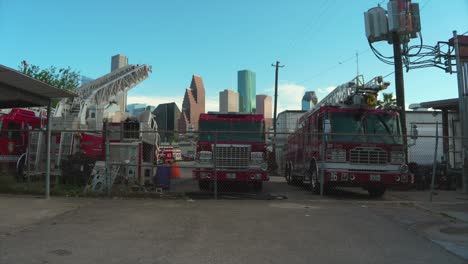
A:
376	24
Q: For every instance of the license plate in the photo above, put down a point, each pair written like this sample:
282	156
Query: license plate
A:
230	175
375	177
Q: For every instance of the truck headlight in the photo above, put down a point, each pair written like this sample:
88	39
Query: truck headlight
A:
397	157
404	168
336	155
205	156
257	157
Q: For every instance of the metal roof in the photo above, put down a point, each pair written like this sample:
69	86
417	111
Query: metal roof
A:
20	90
446	104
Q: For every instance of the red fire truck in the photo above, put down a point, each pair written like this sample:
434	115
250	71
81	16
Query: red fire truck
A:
231	147
169	153
14	124
346	141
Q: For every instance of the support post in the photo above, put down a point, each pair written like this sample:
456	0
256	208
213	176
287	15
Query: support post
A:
434	165
215	178
48	139
108	167
462	106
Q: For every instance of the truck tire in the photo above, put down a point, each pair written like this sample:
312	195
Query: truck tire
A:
203	185
257	186
20	166
376	191
288	175
314	183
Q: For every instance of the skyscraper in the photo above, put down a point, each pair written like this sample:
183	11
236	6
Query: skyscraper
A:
167	116
193	104
228	101
264	107
246	87
119	61
309	100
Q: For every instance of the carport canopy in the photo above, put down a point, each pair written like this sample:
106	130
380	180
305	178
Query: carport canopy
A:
446	104
19	90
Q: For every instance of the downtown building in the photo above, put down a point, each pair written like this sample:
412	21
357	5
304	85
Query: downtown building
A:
118	61
193	105
167	117
246	87
228	101
264	107
309	100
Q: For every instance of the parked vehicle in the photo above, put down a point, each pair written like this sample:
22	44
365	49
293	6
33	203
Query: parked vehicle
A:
14	126
169	153
231	148
348	142
81	128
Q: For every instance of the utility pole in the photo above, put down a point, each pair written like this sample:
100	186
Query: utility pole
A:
400	85
275	107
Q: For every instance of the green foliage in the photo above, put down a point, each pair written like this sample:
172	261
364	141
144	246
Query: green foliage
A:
387	102
63	78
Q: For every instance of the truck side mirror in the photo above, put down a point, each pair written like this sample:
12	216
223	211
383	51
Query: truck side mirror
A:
414	132
327	126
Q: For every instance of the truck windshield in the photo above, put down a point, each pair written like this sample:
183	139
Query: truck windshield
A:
365	128
231	131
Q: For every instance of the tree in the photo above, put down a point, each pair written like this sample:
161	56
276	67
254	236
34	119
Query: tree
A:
63	78
388	101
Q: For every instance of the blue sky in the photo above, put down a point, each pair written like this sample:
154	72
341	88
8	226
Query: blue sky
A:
316	40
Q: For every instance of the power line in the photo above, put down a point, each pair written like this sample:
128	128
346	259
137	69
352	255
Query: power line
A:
425	4
326	5
332	67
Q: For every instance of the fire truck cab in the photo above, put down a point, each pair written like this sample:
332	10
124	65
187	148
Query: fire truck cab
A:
14	124
231	147
345	141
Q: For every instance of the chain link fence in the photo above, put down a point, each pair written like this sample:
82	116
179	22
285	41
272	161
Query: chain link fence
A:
120	160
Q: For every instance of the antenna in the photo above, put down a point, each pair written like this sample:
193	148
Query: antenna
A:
357	63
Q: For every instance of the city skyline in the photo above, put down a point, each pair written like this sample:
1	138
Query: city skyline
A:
318	53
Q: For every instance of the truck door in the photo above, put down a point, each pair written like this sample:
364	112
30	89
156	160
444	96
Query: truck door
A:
14	137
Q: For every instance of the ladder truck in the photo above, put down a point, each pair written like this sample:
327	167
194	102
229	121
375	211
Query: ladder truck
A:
345	141
82	126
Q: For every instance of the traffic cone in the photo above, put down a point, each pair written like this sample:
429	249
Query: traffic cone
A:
175	171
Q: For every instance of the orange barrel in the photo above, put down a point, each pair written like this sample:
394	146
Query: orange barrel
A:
175	171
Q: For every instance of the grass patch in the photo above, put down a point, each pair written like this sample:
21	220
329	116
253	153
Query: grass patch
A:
8	184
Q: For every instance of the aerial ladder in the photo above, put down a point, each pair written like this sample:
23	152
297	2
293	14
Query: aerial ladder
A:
72	113
354	91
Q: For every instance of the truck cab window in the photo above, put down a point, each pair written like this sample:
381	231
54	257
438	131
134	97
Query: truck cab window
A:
13	131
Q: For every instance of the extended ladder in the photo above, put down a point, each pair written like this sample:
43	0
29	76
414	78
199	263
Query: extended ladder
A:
65	147
344	92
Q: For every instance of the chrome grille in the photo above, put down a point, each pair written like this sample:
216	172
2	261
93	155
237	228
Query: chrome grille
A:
232	156
368	156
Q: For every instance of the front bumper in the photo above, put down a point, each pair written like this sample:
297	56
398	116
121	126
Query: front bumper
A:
357	178
230	175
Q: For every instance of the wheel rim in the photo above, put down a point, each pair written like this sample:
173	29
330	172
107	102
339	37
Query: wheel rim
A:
313	180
